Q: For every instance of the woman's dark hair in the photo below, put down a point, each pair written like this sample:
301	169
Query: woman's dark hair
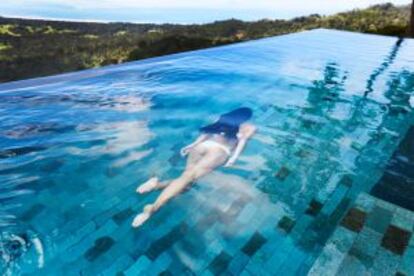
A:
229	123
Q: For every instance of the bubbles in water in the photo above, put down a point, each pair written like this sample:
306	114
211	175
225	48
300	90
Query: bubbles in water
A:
21	252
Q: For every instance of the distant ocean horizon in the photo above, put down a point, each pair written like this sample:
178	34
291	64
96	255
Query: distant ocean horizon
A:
180	12
157	15
52	10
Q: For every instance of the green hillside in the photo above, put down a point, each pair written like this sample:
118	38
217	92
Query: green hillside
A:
33	48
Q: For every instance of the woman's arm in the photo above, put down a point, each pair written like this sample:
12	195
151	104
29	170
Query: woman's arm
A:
186	149
245	133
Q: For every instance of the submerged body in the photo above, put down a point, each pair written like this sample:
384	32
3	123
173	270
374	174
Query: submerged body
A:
219	144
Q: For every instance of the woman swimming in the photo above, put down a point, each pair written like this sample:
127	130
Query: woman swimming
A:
219	144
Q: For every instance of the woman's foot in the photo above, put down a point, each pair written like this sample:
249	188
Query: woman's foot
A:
140	219
148	186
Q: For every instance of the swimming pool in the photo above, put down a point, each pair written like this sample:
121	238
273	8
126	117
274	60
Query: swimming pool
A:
331	109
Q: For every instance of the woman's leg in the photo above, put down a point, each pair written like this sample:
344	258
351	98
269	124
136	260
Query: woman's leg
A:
195	155
154	183
212	159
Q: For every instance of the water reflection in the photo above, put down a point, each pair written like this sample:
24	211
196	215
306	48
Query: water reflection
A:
333	140
392	119
311	128
74	99
29	130
324	94
323	98
119	137
47	147
367	111
384	66
400	89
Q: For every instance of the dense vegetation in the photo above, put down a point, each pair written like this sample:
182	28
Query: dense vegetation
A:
32	48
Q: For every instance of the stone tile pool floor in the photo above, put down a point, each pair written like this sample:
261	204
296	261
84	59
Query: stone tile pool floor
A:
374	238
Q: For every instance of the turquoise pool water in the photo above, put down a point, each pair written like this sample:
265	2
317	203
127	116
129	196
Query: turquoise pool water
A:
331	108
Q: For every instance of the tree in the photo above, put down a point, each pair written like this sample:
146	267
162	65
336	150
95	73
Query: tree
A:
412	20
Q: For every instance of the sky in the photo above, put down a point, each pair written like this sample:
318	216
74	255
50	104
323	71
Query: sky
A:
177	11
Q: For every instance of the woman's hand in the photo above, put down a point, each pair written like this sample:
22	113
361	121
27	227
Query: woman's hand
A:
184	151
229	163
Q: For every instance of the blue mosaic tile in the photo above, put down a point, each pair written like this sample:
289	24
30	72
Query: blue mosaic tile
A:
166	273
403	219
277	259
245	273
117	267
32	212
235	208
215	248
290	266
379	219
362	256
208	220
406	264
138	267
332	257
355	220
254	244
247	214
338	194
192	244
85	243
101	245
367	243
396	239
385	263
343	239
286	224
162	244
256	268
238	263
39	185
70	240
283	173
314	208
352	266
220	263
159	265
365	203
123	215
346	181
